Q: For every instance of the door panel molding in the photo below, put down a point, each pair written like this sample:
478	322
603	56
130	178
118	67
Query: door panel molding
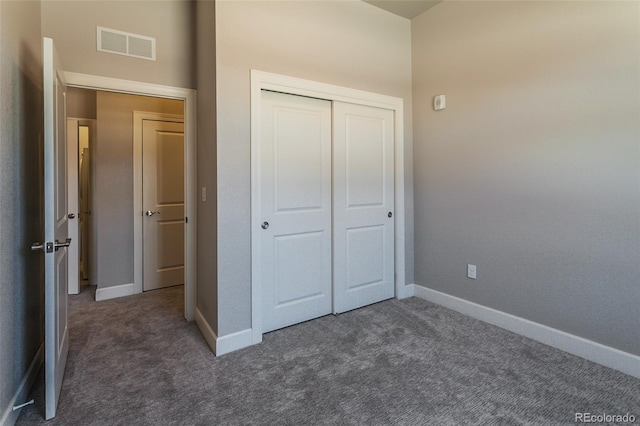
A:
109	84
295	86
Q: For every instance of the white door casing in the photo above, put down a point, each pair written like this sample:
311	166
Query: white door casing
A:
279	83
163	203
363	201
55	228
295	224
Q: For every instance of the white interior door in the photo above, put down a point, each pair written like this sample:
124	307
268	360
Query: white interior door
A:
163	203
295	209
363	201
55	228
73	210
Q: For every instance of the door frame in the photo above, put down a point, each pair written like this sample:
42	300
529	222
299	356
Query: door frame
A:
73	179
138	231
107	84
261	80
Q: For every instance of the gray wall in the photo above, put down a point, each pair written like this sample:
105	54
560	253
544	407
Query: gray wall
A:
207	292
21	270
350	44
113	183
533	171
72	24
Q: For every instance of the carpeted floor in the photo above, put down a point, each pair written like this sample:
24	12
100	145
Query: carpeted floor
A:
136	361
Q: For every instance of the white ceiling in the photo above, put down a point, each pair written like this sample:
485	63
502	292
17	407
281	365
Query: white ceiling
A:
406	8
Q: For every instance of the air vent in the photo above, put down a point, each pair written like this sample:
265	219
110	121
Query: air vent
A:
128	44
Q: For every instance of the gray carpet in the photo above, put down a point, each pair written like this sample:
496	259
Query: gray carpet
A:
135	361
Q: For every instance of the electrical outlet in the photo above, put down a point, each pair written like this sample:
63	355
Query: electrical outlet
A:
471	271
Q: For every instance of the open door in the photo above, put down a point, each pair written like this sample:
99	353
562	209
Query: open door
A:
56	239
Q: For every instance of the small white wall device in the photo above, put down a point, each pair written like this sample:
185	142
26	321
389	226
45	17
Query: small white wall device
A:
439	103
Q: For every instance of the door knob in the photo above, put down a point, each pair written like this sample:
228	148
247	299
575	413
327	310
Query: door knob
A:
389	214
150	213
71	216
265	225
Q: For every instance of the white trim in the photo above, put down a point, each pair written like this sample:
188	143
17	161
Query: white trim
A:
224	344
122	290
267	81
138	232
189	97
9	416
234	341
584	348
206	330
406	291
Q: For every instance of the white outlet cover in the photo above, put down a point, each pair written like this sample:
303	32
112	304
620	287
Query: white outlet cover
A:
471	271
439	102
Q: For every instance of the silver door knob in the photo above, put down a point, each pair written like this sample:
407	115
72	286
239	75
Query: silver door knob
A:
150	213
71	216
389	214
37	246
265	225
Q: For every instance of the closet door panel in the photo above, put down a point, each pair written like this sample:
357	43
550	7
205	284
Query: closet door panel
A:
295	208
363	200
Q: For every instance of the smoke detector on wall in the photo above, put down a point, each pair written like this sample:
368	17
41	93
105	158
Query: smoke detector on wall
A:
127	44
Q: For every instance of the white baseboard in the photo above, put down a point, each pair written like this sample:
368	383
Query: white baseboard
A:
406	291
105	293
233	342
9	416
584	348
224	344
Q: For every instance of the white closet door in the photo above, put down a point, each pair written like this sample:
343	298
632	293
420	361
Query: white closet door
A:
363	201
295	209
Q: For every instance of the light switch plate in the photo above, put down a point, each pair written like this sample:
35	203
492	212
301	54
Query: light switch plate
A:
439	102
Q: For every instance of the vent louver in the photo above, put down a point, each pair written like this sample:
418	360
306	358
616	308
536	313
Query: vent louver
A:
128	44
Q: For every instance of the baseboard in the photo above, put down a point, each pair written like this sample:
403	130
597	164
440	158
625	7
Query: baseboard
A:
9	416
406	291
224	344
584	348
105	293
233	342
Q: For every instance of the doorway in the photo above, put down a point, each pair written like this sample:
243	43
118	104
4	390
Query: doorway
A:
158	165
81	134
186	99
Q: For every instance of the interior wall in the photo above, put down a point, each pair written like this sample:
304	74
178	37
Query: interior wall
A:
207	292
81	103
21	223
350	44
113	183
72	25
532	172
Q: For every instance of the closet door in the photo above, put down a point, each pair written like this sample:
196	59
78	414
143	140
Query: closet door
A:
363	201
295	208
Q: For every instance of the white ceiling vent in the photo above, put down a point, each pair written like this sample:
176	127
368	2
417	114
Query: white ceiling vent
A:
128	44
